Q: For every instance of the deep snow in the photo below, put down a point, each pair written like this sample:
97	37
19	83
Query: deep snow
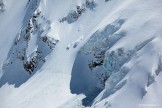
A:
128	31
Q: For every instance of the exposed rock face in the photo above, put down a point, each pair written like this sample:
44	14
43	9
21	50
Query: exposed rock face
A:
51	42
98	60
101	41
34	30
75	14
107	0
31	65
93	53
30	48
2	6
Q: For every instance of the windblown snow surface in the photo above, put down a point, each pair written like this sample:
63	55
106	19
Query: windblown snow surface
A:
80	53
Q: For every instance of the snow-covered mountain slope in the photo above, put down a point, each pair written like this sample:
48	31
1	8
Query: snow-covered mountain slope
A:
80	53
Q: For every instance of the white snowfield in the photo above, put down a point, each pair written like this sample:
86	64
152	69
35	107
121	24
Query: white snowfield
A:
128	31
